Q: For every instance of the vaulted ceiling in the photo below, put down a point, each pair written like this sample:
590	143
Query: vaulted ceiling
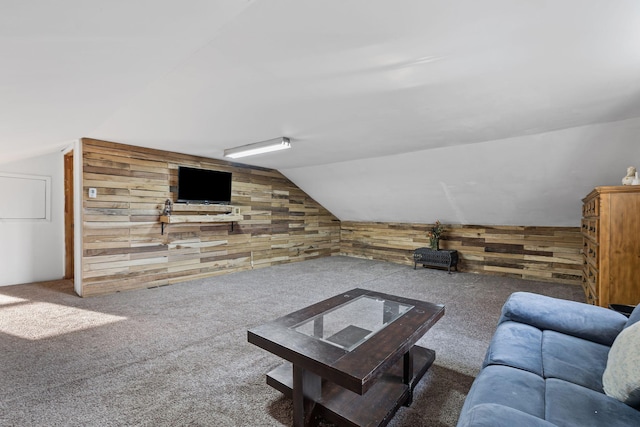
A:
484	112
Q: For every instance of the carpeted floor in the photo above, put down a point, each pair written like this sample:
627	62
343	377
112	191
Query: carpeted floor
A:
178	355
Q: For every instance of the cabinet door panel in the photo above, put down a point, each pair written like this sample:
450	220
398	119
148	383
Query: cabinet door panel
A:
624	249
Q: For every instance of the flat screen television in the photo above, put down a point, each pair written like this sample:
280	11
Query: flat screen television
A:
203	186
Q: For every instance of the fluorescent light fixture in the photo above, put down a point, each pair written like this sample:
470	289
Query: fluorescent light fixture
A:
268	146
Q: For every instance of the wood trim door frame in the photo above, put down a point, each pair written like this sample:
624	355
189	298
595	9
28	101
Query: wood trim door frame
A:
73	214
69	252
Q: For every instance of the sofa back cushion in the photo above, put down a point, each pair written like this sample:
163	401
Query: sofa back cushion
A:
634	317
621	378
589	322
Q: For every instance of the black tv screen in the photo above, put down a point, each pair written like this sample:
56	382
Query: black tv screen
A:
203	186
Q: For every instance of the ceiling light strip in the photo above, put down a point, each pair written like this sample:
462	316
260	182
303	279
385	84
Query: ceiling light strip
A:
268	146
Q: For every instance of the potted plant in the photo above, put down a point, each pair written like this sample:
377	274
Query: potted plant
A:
434	235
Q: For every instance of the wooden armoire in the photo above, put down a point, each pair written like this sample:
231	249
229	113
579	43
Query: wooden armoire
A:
611	245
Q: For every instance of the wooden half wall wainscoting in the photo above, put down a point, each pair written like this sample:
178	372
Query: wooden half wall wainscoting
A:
123	247
549	254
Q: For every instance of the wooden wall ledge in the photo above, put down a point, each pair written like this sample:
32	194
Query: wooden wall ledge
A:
183	213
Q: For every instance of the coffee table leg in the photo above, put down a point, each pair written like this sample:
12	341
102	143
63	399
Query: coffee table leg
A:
306	390
407	375
318	327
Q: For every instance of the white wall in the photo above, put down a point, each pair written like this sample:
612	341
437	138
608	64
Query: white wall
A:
32	251
532	180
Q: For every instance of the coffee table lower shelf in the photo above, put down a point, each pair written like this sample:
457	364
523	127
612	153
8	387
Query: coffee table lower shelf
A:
374	408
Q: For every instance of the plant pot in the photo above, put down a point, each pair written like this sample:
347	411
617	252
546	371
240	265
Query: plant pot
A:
434	243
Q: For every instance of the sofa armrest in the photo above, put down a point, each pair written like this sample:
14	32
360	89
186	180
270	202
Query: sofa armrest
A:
494	415
578	319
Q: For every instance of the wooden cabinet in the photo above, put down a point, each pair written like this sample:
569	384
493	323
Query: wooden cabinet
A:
611	245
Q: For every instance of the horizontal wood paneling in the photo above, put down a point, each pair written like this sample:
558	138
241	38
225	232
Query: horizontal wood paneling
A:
123	247
550	254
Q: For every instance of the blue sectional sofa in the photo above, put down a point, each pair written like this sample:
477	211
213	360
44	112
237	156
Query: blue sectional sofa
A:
546	363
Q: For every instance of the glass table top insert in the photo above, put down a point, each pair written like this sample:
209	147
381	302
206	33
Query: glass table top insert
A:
350	324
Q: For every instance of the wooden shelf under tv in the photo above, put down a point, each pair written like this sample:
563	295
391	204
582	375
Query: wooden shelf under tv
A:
201	213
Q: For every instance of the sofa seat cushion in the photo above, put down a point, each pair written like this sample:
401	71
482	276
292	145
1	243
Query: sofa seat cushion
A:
568	404
511	387
517	345
548	354
573	359
494	415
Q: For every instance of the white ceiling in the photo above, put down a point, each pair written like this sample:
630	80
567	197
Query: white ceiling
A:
360	87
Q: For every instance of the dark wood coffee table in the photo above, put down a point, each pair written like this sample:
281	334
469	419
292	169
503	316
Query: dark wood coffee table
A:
352	358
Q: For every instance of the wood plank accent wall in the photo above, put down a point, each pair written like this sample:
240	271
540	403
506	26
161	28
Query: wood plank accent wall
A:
550	254
123	247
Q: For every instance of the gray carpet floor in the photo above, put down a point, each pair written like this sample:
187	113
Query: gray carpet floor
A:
178	355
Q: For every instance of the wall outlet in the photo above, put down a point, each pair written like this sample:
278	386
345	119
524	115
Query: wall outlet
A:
93	193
